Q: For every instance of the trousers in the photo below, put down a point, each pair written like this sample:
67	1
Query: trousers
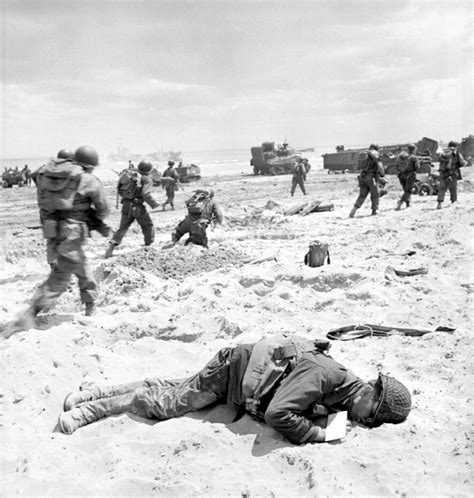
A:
130	213
368	184
295	182
446	184
159	399
196	227
407	182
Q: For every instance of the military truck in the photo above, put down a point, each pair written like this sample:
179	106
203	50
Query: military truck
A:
12	177
350	160
270	160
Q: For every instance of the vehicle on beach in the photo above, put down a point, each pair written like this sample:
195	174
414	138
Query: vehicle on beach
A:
268	159
427	184
348	161
12	177
188	173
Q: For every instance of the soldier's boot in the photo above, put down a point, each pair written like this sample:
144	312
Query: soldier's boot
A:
90	309
110	250
353	212
439	205
172	206
374	212
91	411
407	203
399	205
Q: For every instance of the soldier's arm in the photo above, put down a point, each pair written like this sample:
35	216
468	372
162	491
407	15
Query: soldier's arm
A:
462	162
147	196
99	199
217	213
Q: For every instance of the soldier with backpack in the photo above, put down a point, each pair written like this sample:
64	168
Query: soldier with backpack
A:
202	211
370	173
289	382
450	162
299	177
407	167
67	191
170	182
135	189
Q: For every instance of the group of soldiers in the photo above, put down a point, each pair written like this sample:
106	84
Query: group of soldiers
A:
372	173
295	400
72	202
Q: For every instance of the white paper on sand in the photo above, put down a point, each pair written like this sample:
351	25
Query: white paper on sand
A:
336	426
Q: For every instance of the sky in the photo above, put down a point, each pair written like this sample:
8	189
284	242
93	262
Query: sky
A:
202	75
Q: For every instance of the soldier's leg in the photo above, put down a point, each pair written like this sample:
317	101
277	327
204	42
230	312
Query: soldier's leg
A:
374	195
182	228
453	190
87	283
407	186
293	185
443	186
363	193
198	234
125	222
146	224
302	187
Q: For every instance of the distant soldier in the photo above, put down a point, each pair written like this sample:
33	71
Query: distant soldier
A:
299	176
135	187
450	162
67	191
170	182
202	211
407	167
130	165
26	173
370	173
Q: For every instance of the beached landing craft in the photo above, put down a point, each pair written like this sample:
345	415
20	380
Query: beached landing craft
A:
270	160
347	161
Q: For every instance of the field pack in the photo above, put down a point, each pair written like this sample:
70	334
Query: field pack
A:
129	184
58	182
197	204
317	254
268	362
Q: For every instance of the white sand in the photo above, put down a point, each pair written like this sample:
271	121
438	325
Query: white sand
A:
167	327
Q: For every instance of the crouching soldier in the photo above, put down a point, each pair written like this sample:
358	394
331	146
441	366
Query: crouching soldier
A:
134	187
202	211
299	386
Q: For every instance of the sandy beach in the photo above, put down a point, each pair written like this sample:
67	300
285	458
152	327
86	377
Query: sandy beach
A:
165	313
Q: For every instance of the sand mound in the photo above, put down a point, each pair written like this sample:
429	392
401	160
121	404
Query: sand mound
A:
180	261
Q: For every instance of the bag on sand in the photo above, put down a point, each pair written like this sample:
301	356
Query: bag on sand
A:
198	202
128	185
58	182
317	254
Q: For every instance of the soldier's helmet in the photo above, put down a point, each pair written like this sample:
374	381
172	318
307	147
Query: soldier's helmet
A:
87	155
411	148
403	155
145	167
374	146
170	163
453	143
65	154
394	404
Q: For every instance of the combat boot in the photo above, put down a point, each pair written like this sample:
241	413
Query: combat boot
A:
110	250
353	212
90	309
374	212
439	205
399	205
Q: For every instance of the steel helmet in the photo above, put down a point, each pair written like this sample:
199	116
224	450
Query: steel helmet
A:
170	163
453	144
87	155
411	147
65	154
374	146
394	404
145	166
403	155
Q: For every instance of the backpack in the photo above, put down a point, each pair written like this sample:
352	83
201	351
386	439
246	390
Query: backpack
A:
128	185
198	203
58	182
268	362
317	254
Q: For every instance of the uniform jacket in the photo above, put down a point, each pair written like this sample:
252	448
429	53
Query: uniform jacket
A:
450	161
299	172
411	166
316	379
146	191
372	165
213	211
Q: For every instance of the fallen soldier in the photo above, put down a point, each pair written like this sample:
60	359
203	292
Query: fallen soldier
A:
298	383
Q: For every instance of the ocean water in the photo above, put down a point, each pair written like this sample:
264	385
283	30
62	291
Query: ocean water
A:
211	162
